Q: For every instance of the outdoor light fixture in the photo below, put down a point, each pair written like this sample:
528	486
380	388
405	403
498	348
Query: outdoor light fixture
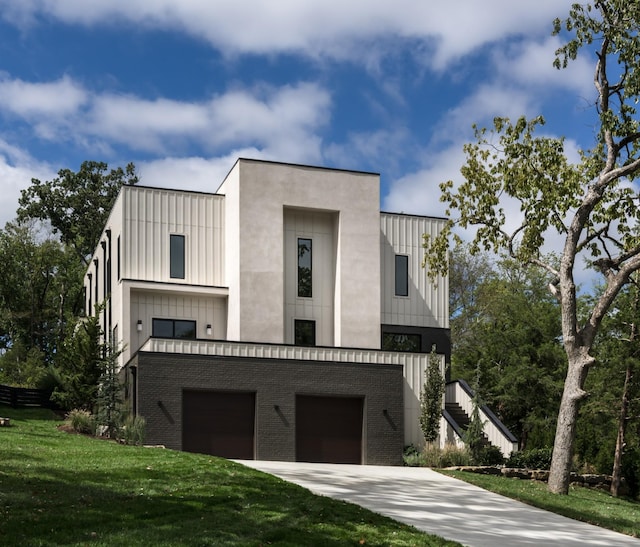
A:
209	330
139	327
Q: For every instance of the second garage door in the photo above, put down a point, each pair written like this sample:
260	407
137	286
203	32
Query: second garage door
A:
221	423
329	429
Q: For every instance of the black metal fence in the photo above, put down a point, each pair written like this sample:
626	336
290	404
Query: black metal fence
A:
20	397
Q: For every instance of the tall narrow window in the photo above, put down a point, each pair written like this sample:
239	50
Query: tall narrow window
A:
402	275
305	332
176	256
89	293
304	268
118	257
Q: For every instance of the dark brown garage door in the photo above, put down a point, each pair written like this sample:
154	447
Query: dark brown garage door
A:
328	429
220	423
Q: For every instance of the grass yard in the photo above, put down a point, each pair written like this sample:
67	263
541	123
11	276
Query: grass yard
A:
585	504
63	489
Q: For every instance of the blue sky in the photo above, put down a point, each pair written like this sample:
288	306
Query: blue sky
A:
184	88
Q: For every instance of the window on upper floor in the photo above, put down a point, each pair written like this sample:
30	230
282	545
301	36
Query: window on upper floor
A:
401	342
402	275
305	332
174	328
176	256
304	268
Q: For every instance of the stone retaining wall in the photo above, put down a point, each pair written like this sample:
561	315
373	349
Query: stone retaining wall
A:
601	482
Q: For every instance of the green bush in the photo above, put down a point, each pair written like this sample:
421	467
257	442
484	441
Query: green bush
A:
490	455
132	432
434	456
81	421
537	458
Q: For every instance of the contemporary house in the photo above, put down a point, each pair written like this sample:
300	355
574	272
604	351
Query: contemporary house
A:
283	317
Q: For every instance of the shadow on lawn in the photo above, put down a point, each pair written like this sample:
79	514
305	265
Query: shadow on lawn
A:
64	507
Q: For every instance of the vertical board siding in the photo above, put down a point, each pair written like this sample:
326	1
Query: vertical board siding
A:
152	214
427	304
320	228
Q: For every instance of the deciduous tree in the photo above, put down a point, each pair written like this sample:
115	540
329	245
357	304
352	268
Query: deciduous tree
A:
592	205
77	204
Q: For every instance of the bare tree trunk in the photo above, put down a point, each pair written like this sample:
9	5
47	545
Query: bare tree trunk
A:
622	426
560	472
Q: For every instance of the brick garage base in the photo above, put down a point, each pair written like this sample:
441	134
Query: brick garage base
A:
162	377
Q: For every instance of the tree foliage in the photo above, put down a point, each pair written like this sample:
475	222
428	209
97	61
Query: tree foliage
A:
591	205
508	331
609	428
81	364
76	204
40	294
431	399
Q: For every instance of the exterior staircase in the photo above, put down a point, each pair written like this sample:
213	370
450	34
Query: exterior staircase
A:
457	413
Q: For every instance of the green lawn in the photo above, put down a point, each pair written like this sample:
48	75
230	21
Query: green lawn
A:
62	489
585	504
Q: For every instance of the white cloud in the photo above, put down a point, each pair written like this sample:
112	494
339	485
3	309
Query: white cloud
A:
17	169
280	120
530	64
28	99
327	28
192	173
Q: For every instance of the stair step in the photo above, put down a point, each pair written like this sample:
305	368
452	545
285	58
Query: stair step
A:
461	418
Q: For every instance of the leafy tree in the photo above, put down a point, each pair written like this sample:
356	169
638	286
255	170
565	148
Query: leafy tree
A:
508	330
604	435
467	272
109	398
40	292
81	364
431	400
77	204
591	205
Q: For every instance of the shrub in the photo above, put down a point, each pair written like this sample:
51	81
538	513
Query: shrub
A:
132	431
490	455
434	456
81	421
537	458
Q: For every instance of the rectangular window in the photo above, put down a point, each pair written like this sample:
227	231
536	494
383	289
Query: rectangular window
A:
402	275
89	293
97	264
401	342
174	328
305	332
304	268
176	256
118	258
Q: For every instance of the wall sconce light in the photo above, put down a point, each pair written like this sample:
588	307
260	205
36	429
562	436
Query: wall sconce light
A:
139	326
209	330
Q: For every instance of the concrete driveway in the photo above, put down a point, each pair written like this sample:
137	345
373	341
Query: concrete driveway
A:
443	506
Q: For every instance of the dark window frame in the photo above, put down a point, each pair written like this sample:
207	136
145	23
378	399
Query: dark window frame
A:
160	326
177	256
298	334
305	272
401	275
393	341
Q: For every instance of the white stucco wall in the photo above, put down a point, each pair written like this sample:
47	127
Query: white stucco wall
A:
257	194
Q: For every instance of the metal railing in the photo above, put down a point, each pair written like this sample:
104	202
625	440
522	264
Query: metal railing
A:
459	392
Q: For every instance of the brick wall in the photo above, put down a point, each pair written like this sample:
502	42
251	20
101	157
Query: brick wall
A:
161	378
